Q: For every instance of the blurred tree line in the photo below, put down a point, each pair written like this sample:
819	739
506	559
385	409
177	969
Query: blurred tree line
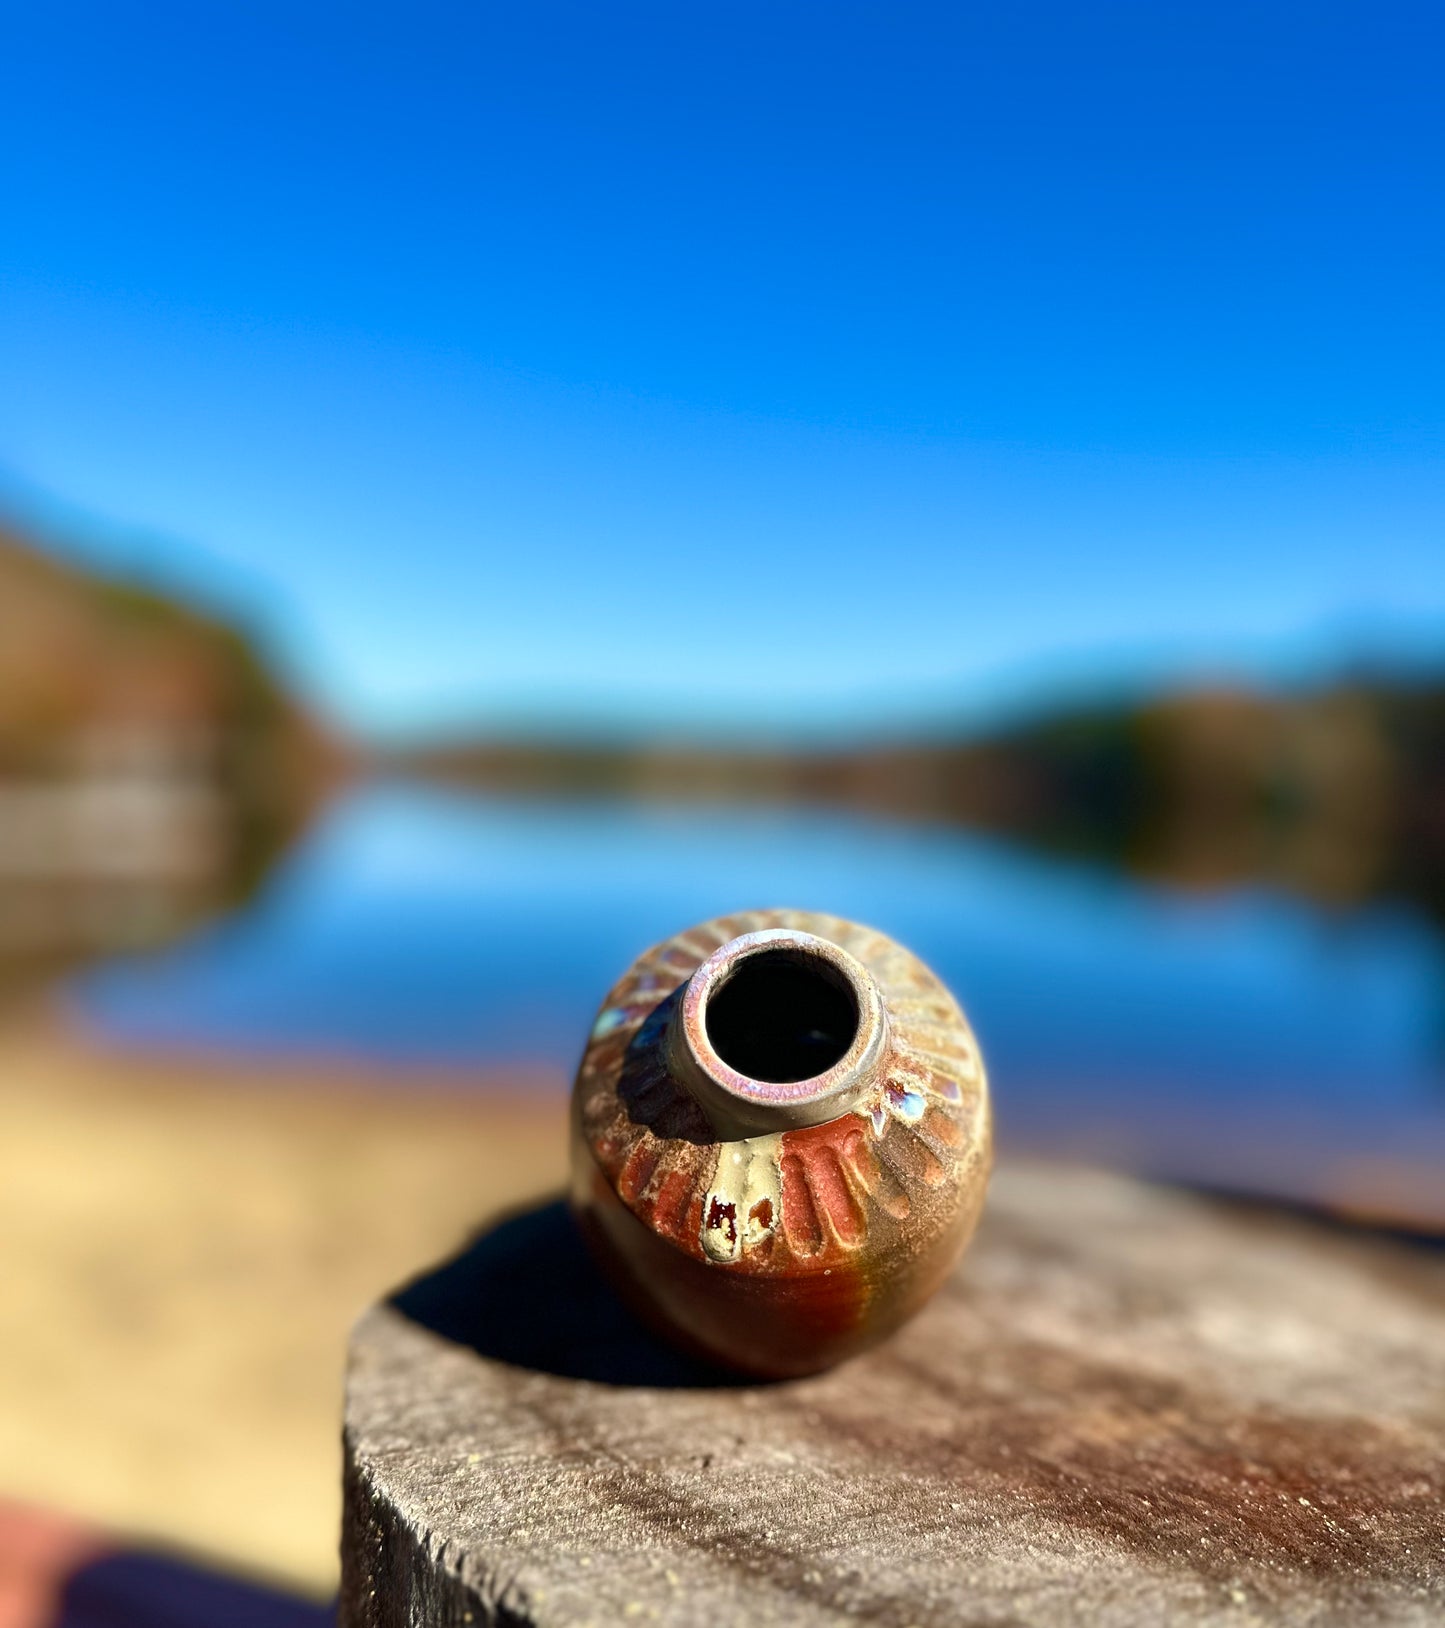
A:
1338	794
152	765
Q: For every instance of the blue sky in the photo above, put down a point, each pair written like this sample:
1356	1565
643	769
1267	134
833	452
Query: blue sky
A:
737	366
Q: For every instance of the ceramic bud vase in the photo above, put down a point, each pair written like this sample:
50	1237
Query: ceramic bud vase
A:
781	1138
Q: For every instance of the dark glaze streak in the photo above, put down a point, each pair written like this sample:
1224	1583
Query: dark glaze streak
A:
723	1217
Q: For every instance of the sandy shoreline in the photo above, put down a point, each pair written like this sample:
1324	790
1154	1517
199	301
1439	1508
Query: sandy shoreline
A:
188	1242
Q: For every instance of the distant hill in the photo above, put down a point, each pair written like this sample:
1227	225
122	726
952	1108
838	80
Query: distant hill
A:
1338	793
150	761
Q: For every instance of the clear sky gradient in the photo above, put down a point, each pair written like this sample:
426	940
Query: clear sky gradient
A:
761	365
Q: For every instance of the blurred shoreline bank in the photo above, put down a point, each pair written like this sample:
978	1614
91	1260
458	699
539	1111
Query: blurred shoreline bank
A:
152	764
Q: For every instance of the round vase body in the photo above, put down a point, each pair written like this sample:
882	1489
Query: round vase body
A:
781	1138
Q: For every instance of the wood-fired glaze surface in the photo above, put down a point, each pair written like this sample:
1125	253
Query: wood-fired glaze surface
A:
780	1253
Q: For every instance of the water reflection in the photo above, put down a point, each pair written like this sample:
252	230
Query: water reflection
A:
132	842
1244	1038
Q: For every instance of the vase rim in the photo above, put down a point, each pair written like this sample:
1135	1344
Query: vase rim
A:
739	1105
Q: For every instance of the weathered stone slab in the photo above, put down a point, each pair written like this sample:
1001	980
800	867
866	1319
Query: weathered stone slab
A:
1132	1405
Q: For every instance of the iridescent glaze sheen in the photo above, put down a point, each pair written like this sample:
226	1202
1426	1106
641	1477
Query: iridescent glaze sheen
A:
778	1226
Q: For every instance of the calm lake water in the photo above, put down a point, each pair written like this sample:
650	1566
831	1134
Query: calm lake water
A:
1242	1039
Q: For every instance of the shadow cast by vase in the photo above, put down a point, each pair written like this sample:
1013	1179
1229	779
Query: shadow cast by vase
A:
527	1292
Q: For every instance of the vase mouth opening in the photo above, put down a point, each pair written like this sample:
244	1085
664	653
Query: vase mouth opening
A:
779	1028
781	1015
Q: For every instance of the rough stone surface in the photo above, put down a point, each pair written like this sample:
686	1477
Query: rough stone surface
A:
1131	1405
